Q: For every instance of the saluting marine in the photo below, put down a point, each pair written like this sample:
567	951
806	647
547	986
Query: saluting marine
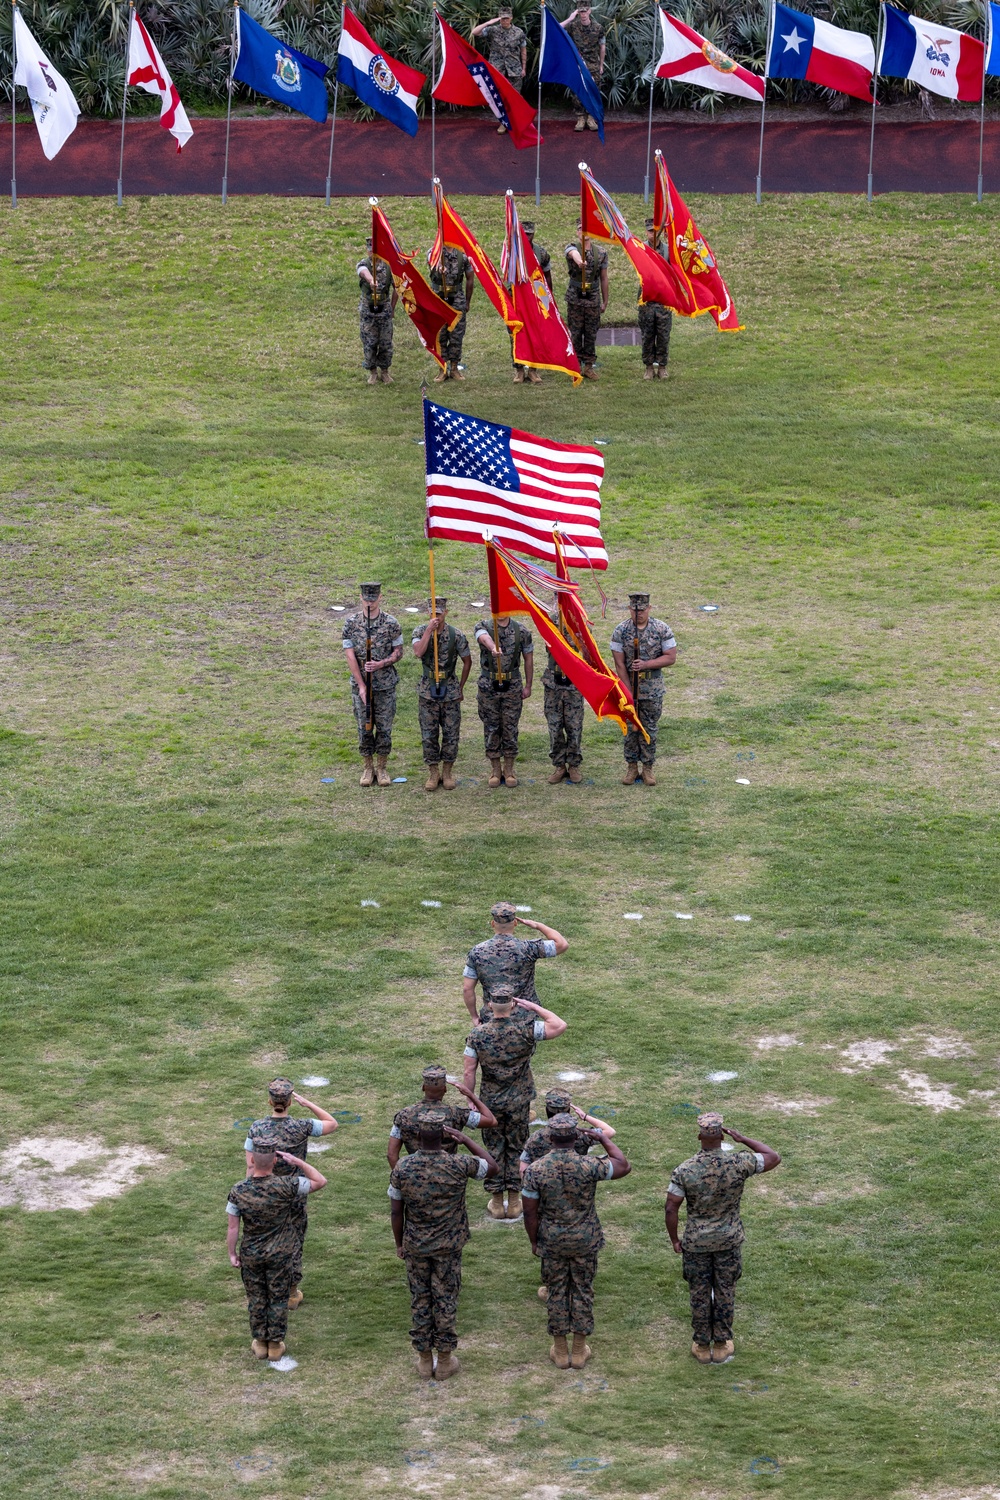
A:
500	692
505	961
544	259
642	647
591	44
586	299
453	281
655	321
373	644
376	309
508	48
406	1122
438	646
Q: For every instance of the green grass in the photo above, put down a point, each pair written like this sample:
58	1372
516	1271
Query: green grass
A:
192	472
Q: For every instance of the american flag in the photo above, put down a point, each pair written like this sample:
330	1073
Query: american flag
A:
486	478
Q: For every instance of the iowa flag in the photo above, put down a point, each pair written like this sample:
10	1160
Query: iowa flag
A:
690	257
539	337
429	313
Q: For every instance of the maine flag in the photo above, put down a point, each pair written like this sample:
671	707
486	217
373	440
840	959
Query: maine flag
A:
273	68
561	62
385	85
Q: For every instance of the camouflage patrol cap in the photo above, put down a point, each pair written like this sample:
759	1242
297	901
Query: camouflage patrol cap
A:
370	592
710	1122
281	1088
638	600
503	911
262	1145
502	994
368	241
438	602
528	225
432	1119
558	1100
563	1128
505	10
650	223
435	1074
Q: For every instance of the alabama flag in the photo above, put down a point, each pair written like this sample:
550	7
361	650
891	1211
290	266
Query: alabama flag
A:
688	57
146	72
945	61
804	47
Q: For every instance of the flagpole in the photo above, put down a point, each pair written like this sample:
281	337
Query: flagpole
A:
229	101
13	112
763	102
121	148
437	664
982	101
538	117
329	165
434	34
878	64
652	80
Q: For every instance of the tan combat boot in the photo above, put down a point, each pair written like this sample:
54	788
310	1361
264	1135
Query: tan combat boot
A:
581	1352
447	1365
442	374
386	377
494	773
259	1349
646	772
276	1351
558	772
381	774
425	1364
662	372
589	373
631	774
509	774
433	778
368	774
581	123
702	1352
722	1353
371	377
518	377
495	1207
534	376
457	373
559	1353
513	1205
573	772
448	779
649	373
295	1298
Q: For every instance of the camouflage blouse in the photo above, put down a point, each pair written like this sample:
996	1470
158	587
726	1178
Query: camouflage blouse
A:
375	301
448	280
711	1185
386	636
655	639
406	1127
504	1050
267	1207
564	1184
286	1134
541	1143
504	54
506	959
431	1187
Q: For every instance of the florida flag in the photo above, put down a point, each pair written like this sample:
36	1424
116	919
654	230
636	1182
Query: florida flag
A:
804	47
688	57
146	72
385	85
945	61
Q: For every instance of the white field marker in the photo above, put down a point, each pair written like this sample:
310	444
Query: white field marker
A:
722	1076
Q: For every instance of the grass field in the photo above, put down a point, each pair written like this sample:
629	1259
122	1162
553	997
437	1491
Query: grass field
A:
192	474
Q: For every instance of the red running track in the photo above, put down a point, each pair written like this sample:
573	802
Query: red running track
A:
288	157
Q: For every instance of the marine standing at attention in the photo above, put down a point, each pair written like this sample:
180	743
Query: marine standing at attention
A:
376	308
563	706
430	1225
453	281
500	692
655	321
544	259
503	1049
267	1254
406	1122
440	693
642	647
591	43
586	299
287	1133
561	1219
507	48
373	644
711	1184
506	960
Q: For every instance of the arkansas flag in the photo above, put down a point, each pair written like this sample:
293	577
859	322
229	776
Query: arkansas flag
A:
467	78
429	313
52	102
804	47
540	338
689	256
146	72
385	85
602	221
688	57
946	62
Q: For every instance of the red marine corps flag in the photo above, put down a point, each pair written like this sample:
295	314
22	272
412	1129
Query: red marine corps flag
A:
540	338
452	231
602	221
690	256
429	313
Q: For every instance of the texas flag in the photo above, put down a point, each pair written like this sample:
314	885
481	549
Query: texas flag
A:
689	57
385	85
804	47
945	61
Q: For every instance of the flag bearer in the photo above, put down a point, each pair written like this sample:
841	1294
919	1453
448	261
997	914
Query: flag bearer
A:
507	48
591	43
453	281
655	321
501	693
647	646
373	644
586	299
439	699
544	259
563	705
377	309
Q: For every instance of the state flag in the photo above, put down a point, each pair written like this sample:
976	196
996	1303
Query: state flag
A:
385	85
560	62
465	77
938	58
147	72
277	71
689	57
804	47
52	103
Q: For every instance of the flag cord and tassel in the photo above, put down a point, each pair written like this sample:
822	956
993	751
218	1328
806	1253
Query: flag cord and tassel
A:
652	80
229	99
988	42
538	117
763	101
437	664
333	127
871	138
13	114
121	147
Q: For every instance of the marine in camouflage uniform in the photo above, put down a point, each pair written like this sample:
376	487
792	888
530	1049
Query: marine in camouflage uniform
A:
590	42
506	49
386	637
506	962
711	1184
271	1243
562	1224
503	1048
501	693
439	701
586	299
655	321
563	704
544	259
405	1131
452	280
656	640
431	1226
376	310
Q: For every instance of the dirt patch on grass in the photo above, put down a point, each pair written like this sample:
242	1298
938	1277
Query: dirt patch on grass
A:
773	1043
867	1055
807	1106
944	1046
46	1173
919	1089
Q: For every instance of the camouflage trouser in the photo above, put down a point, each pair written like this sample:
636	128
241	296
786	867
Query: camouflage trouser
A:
501	714
440	722
564	716
379	740
583	319
570	1280
711	1276
268	1282
451	342
376	341
435	1282
300	1219
656	323
636	748
505	1142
